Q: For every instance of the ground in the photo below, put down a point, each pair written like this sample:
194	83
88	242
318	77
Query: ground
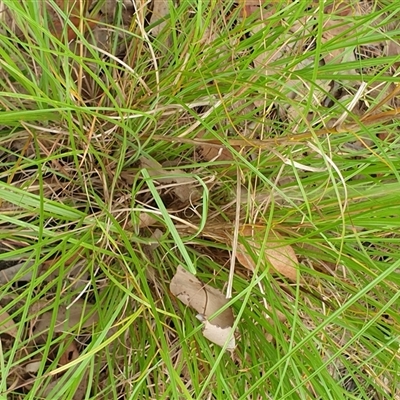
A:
199	200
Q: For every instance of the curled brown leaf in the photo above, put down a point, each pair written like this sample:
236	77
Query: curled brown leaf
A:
205	299
281	256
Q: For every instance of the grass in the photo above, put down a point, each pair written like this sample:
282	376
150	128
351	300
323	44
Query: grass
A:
74	126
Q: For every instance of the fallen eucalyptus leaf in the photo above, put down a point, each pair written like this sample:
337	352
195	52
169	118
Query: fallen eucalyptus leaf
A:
180	184
67	318
205	299
160	11
7	325
219	335
71	353
33	367
10	269
281	257
80	391
146	219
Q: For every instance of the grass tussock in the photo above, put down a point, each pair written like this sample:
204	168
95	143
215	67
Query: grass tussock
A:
170	135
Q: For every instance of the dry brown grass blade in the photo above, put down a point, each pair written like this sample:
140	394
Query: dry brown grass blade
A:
212	153
385	100
289	139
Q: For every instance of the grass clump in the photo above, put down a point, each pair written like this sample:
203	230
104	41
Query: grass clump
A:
123	156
